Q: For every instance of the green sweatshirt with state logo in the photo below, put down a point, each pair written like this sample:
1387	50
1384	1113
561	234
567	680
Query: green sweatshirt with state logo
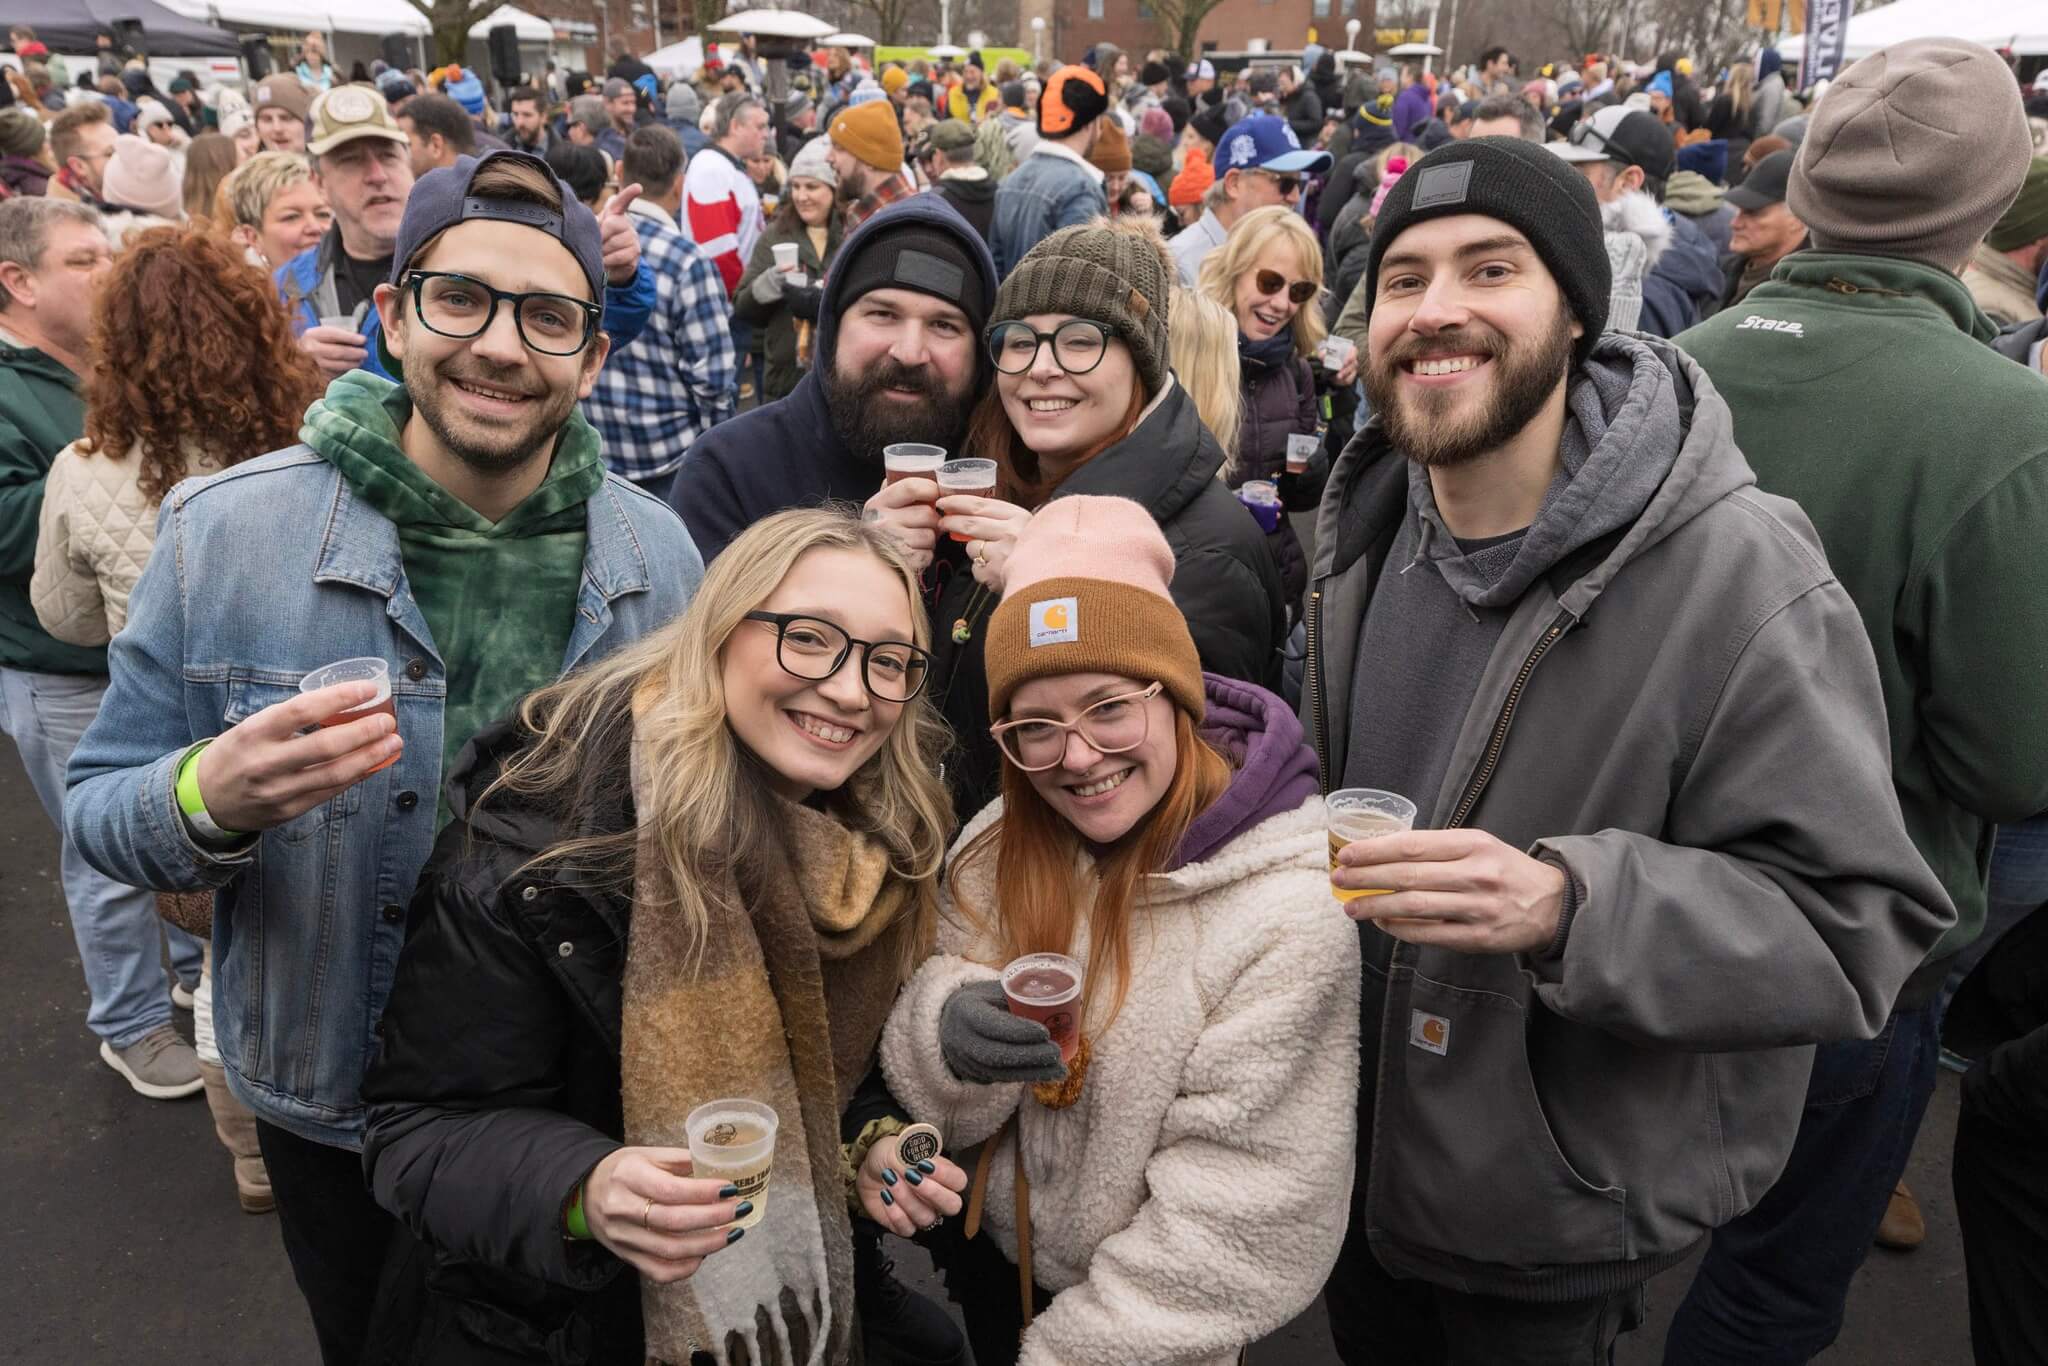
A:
1863	388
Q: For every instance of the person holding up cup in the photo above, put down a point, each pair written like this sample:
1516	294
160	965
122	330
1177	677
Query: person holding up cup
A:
627	1078
1142	1006
779	290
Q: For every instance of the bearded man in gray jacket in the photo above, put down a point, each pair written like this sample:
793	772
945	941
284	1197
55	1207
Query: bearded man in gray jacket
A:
1658	854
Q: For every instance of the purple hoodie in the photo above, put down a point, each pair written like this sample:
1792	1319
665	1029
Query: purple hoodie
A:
1276	770
1411	111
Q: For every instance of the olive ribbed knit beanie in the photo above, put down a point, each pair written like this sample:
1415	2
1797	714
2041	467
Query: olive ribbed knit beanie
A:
1117	275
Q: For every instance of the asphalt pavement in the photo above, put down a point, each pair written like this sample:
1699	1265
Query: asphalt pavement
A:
123	1243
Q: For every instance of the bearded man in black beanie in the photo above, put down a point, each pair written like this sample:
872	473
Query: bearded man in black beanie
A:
897	357
1657	854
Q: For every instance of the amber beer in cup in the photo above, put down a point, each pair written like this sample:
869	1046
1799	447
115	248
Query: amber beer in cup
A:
357	671
911	460
971	478
733	1142
1046	987
1361	813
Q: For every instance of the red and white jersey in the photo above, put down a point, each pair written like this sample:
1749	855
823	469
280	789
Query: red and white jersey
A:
722	211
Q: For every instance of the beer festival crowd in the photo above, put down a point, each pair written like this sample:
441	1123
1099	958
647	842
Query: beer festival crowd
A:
1194	688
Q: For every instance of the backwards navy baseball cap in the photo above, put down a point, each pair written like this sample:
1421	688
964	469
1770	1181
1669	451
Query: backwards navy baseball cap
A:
441	199
1264	142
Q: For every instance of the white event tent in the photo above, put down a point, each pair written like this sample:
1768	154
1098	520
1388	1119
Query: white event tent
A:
2019	24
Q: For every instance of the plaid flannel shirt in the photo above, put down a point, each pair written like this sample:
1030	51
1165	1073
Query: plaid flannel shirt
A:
885	193
678	379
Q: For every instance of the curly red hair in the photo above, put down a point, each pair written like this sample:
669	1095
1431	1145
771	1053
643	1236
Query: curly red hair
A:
193	354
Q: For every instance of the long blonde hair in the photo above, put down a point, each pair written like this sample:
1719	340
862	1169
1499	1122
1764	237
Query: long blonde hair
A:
1203	342
704	798
1239	253
1741	90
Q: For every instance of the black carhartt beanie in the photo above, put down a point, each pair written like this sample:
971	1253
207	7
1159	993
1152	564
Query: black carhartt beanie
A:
1525	186
917	256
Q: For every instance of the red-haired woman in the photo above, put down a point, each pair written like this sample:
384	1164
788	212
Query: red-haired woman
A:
193	369
1186	1171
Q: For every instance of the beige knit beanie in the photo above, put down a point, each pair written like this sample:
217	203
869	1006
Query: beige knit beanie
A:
1915	151
1116	274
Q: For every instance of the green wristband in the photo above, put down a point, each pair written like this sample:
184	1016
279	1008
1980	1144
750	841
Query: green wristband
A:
573	1220
189	800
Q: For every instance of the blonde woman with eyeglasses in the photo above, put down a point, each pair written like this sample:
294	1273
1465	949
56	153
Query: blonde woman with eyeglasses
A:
699	869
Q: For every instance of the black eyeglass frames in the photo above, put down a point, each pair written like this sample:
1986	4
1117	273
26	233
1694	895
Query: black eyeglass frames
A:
815	649
461	307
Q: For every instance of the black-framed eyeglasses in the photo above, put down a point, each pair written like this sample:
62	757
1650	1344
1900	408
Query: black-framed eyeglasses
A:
462	307
1270	282
1078	345
815	649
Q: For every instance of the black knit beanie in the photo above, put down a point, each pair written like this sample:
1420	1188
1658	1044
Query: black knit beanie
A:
917	256
1525	186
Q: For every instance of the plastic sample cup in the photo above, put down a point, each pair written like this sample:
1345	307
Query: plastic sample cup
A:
1363	813
911	460
1262	496
1301	448
365	670
1046	987
976	478
733	1142
785	255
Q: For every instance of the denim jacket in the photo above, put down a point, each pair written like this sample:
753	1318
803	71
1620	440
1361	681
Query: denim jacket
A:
1049	190
261	574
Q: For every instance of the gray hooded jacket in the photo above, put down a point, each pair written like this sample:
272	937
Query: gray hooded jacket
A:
1685	714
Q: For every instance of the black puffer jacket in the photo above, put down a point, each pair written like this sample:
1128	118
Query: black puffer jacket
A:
1225	580
1280	402
497	1090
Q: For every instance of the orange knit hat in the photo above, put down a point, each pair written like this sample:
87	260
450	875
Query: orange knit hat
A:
869	131
1194	180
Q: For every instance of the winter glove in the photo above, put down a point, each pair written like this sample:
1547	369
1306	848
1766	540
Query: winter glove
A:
767	286
982	1041
803	300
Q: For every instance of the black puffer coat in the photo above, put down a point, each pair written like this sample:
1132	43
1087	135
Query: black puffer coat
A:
1225	580
1279	402
496	1091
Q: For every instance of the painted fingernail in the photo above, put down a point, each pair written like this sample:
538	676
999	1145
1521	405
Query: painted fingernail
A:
888	1176
888	1199
926	1167
915	1176
728	1192
735	1236
743	1209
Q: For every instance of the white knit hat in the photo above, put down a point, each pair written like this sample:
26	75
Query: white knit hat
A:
143	176
813	161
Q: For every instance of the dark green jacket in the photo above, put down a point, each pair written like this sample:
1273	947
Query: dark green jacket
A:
1863	389
40	414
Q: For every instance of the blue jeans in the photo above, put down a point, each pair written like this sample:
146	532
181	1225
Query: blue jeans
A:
2019	887
1773	1285
120	938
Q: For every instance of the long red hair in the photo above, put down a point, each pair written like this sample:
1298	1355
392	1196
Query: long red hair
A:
1038	906
991	436
192	354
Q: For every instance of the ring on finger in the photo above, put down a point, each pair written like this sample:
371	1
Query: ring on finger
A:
647	1215
933	1224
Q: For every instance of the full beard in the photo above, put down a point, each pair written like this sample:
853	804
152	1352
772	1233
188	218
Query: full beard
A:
1425	425
867	422
492	452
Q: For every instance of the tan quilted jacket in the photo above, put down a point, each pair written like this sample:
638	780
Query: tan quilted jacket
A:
96	533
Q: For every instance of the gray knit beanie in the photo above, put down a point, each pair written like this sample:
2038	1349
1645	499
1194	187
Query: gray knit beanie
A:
1915	151
1116	275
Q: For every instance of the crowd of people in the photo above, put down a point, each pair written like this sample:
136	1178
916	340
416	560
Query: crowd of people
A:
550	607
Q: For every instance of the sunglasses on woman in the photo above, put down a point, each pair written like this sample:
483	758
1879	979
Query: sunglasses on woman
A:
1272	282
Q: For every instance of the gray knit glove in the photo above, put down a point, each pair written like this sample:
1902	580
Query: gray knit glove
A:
982	1041
768	284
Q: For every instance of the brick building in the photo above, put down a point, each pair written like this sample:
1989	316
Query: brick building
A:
1073	26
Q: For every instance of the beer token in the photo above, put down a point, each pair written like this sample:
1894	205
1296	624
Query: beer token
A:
918	1143
721	1135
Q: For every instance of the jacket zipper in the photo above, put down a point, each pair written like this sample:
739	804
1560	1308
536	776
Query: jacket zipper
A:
1311	679
1491	759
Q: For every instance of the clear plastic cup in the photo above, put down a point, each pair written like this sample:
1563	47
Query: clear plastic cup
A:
733	1141
363	670
1046	987
976	478
911	460
1362	813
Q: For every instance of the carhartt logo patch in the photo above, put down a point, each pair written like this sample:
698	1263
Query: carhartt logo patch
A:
1055	621
1430	1033
1443	185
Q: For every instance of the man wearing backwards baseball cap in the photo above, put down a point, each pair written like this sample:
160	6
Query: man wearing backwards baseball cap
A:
469	539
1055	186
1861	387
362	162
1259	162
1681	863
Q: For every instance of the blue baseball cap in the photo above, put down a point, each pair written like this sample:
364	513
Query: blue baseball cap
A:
1264	142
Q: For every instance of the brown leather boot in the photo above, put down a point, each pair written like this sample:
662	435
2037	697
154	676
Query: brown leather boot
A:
1902	1228
236	1128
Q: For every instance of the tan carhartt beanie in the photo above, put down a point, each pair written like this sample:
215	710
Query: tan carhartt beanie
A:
1915	151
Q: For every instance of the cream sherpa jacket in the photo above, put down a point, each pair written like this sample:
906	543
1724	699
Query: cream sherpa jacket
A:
1195	1197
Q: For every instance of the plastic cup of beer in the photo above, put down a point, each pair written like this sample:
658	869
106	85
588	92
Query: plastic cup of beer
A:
1046	987
911	460
973	478
356	671
1363	813
733	1142
785	256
